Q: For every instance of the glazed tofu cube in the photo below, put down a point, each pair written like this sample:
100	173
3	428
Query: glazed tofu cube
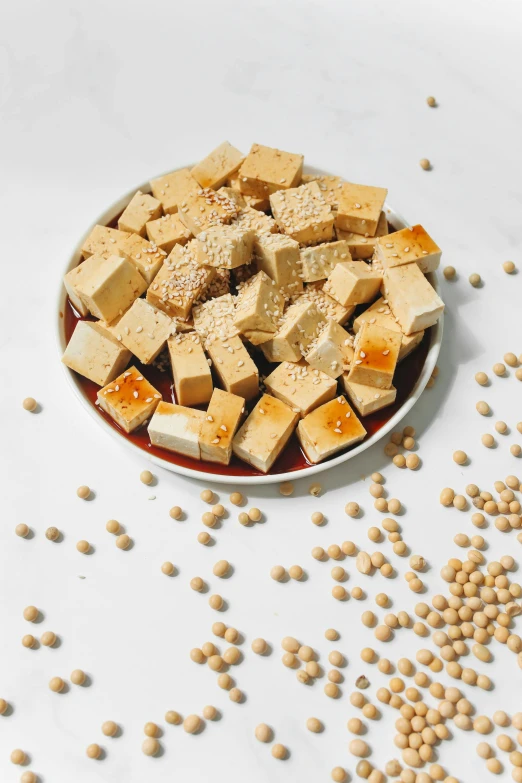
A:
215	318
144	330
376	353
262	204
214	170
265	433
226	247
379	313
332	351
146	257
303	214
180	282
173	188
314	292
329	429
141	208
232	363
278	256
108	286
176	428
266	170
413	301
259	308
408	246
190	370
300	386
318	262
251	219
129	400
219	426
300	325
362	246
69	282
167	231
353	283
359	208
103	241
329	186
368	399
94	353
206	209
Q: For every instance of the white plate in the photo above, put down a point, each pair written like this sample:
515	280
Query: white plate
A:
431	359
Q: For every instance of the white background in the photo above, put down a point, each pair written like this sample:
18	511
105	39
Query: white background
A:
97	96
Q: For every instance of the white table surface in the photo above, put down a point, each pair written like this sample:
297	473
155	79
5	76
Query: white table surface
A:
95	97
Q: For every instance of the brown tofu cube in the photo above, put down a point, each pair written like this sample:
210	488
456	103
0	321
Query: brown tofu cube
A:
329	429
376	353
214	170
368	399
359	208
409	246
129	400
219	426
266	170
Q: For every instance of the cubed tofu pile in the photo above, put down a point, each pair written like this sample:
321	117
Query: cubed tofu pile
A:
240	261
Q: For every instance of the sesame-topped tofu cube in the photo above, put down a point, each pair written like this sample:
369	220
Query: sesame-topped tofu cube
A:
410	245
94	353
413	301
359	208
266	170
332	351
190	370
225	246
278	256
368	399
329	186
262	204
141	208
214	170
108	286
249	218
219	426
314	292
300	325
379	312
232	363
362	246
129	399
353	283
103	241
318	262
146	257
300	386
204	209
259	308
265	433
173	188
167	231
176	428
303	214
219	285
214	317
235	195
376	353
144	330
328	429
180	282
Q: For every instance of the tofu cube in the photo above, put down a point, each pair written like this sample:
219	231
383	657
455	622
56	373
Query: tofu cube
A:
214	170
235	369
329	186
362	246
129	400
413	301
300	325
266	170
219	285
180	282
314	292
206	209
173	188
259	308
318	262
303	214
262	204
144	330
190	370
227	247
332	351
300	386
265	433
215	318
249	218
108	286
379	313
94	353
177	429
69	281
376	353
103	241
278	256
146	257
408	246
368	399
167	231
219	426
234	194
353	283
141	208
329	429
359	208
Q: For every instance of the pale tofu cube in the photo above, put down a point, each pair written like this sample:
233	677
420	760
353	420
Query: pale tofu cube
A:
413	301
173	188
376	353
103	241
318	262
353	283
146	257
108	286
359	208
167	231
301	324
329	429
235	369
332	351
266	170
144	330
176	428
265	433
314	292
408	246
300	386
129	400
262	204
190	370
206	209
94	353
303	214
278	256
379	313
249	218
368	399
180	282
362	246
141	208
69	282
227	247
259	308
219	426
218	166
215	318
329	186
